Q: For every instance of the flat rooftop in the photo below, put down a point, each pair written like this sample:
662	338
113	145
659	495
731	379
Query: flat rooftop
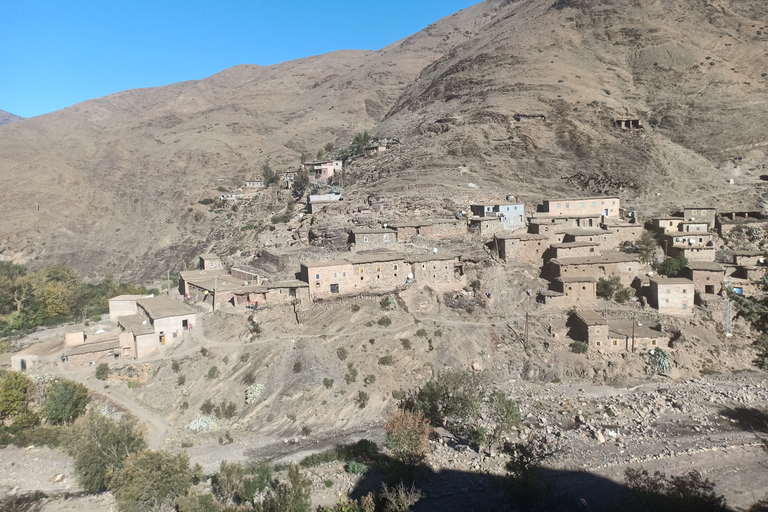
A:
373	231
576	199
624	328
210	256
294	283
611	257
576	279
575	245
705	265
136	324
591	317
522	236
192	274
670	280
421	223
127	297
163	307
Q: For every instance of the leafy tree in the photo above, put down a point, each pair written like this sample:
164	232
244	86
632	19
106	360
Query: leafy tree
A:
329	147
622	295
360	141
671	267
268	174
320	154
607	287
454	395
102	371
65	401
407	436
228	483
504	414
99	445
150	480
301	183
291	496
14	388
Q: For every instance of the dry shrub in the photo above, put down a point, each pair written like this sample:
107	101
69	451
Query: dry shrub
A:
407	436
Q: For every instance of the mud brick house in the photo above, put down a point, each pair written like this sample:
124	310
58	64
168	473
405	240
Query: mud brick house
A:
138	338
573	250
726	222
321	172
210	262
748	258
365	239
702	215
379	272
694	227
672	295
212	287
569	291
693	246
615	336
622	231
664	225
601	236
707	276
527	247
82	349
257	183
550	225
626	266
603	206
169	318
432	229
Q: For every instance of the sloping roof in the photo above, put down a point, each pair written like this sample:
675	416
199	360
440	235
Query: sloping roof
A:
591	317
164	307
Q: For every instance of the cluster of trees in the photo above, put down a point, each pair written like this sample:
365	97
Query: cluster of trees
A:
612	288
55	294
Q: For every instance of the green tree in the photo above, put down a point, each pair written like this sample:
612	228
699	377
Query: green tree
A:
14	388
301	183
671	267
99	445
268	174
360	141
291	496
150	480
504	414
607	287
227	484
65	401
102	371
452	399
320	154
329	147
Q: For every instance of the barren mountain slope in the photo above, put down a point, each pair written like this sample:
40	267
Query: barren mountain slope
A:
693	71
116	180
7	118
105	185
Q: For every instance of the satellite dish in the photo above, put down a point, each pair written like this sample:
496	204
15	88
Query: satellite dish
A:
385	224
761	260
410	275
639	324
650	274
434	250
144	322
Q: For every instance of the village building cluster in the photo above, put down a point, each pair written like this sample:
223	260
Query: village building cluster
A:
575	242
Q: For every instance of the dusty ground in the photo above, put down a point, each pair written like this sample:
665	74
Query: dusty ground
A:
673	424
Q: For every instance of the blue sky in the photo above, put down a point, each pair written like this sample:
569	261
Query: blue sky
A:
55	53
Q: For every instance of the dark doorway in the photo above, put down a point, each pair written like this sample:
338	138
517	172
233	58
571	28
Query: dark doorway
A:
334	288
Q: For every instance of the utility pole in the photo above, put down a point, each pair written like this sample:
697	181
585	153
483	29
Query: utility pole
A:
526	330
215	286
168	275
729	312
633	333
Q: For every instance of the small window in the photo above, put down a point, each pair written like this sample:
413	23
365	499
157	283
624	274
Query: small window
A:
685	291
378	269
395	266
598	343
653	342
582	205
317	276
335	274
693	212
423	266
343	274
446	267
317	285
597	331
567	205
361	278
386	238
365	239
615	343
558	205
594	203
362	270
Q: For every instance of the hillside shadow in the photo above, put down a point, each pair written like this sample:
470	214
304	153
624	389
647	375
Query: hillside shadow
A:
453	490
749	419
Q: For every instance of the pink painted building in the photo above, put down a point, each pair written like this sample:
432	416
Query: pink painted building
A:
321	171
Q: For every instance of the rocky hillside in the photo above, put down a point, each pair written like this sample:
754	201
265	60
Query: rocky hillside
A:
7	118
111	185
